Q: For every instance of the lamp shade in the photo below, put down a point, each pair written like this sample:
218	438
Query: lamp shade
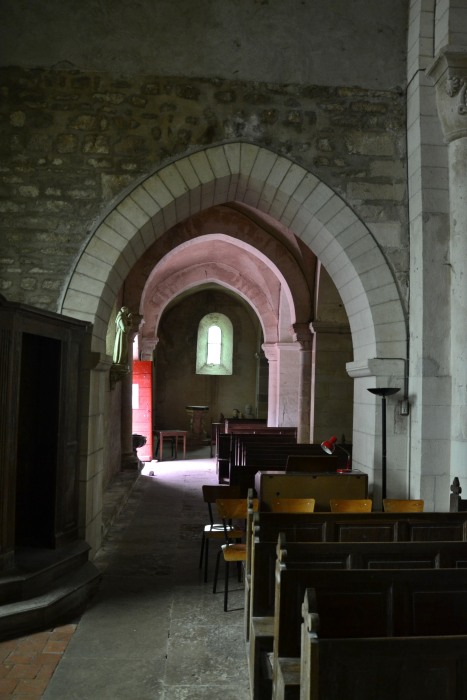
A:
329	445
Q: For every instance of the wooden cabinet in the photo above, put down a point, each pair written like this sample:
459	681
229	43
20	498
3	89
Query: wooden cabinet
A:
43	389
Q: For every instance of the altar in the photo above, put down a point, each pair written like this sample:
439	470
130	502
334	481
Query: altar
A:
196	428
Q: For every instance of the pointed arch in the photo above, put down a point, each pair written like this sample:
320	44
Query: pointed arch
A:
272	184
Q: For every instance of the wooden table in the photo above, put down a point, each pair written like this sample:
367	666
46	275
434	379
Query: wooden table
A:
175	436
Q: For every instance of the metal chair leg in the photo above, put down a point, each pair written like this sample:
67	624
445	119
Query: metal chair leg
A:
226	586
206	554
216	571
203	541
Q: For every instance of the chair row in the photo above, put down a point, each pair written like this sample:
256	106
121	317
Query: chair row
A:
232	510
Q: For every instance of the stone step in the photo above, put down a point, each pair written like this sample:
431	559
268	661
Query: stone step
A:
36	569
66	597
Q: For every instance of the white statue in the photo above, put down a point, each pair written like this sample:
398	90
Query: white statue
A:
123	324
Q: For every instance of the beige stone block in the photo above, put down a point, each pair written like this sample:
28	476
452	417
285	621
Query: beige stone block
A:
331	207
262	168
83	302
170	215
121	219
158	191
202	167
89	266
207	195
278	173
188	173
110	235
218	162
232	154
248	156
183	207
174	182
295	176
83	283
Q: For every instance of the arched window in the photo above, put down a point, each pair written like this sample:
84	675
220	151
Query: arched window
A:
215	345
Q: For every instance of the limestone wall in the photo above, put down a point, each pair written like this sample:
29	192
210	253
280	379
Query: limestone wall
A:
72	143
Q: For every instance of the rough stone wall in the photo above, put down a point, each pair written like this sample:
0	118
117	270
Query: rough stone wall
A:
177	385
72	142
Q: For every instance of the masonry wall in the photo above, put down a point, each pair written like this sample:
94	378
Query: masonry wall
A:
176	382
72	143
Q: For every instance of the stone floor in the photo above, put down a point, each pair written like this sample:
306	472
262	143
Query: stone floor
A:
155	631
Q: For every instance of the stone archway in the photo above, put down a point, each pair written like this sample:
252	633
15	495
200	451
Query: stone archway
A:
297	200
272	184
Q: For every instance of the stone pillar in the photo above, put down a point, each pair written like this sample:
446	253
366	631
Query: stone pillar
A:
271	353
303	336
449	72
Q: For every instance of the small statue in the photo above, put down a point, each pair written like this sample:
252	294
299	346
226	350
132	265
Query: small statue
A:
248	411
123	323
235	413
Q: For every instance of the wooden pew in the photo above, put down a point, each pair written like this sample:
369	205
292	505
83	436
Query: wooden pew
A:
227	442
348	527
357	527
363	604
422	667
274	457
318	555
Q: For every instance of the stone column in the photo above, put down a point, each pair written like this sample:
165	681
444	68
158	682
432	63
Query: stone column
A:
449	72
271	353
304	337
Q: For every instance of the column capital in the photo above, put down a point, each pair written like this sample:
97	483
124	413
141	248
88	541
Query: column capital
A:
449	74
271	351
148	345
303	335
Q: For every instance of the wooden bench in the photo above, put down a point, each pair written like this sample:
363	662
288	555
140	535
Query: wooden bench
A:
422	667
275	458
356	555
363	604
228	441
358	527
350	527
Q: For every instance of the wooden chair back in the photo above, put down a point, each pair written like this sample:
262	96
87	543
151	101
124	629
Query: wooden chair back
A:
293	505
403	505
351	505
234	508
212	493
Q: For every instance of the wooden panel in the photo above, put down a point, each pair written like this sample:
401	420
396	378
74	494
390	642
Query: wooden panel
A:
365	669
321	487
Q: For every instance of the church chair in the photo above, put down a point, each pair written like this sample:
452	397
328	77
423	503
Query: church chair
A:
232	510
215	530
293	505
403	505
351	505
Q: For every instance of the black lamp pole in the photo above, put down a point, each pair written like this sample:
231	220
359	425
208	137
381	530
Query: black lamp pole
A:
383	392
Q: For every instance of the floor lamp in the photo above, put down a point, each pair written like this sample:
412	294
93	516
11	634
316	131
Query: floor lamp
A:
383	392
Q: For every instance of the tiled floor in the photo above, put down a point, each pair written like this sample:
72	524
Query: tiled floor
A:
27	663
155	630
